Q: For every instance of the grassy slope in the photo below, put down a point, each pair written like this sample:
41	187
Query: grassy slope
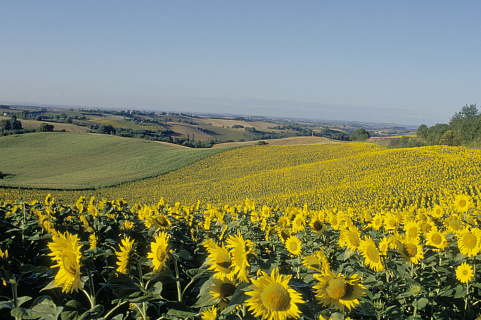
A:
73	160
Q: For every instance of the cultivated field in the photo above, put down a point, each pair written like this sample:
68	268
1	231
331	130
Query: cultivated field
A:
312	231
62	160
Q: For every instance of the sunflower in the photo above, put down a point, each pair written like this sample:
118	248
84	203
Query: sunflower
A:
377	222
66	252
239	251
3	254
125	255
469	241
337	291
350	238
390	223
283	222
437	239
437	212
464	273
272	298
92	241
221	291
411	229
283	234
210	313
384	246
298	223
317	225
293	245
411	250
318	262
159	250
371	254
462	203
220	261
454	223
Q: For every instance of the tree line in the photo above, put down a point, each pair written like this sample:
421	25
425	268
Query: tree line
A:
464	128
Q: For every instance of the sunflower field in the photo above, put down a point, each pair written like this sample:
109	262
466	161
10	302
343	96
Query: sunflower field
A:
376	245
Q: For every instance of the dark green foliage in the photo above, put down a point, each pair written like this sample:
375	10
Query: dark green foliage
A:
464	128
46	127
360	135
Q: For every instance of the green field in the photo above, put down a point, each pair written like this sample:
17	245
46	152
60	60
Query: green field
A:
63	160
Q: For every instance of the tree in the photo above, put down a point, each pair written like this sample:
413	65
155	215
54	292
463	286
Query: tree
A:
467	123
46	127
422	131
360	135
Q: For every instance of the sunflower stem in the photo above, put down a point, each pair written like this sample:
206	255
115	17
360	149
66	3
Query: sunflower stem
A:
92	302
179	289
92	289
113	309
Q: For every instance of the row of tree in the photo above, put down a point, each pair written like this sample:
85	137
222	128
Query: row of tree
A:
464	128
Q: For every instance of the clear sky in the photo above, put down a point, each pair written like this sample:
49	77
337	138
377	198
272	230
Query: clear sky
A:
406	62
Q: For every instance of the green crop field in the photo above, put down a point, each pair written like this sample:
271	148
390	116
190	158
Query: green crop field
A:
64	160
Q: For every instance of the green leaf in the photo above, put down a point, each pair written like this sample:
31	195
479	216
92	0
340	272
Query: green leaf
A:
28	268
421	303
49	286
6	305
460	292
72	309
179	309
22	300
94	313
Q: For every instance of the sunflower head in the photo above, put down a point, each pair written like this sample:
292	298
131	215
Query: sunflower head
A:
371	254
411	250
66	253
338	291
272	298
293	245
159	250
464	273
469	241
125	255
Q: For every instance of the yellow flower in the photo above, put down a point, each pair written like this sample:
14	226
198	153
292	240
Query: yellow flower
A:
384	246
390	223
317	225
293	245
437	212
92	241
371	254
453	224
462	203
377	222
469	241
239	250
221	291
350	238
66	252
220	261
411	230
283	233
210	313
159	250
337	291
436	239
464	273
272	298
125	255
411	250
318	262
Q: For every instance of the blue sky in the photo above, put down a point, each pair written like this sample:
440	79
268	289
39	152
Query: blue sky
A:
407	62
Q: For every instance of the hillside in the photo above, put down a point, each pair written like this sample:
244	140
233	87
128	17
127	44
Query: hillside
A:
338	175
75	160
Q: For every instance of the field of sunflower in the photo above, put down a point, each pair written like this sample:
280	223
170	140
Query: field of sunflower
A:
329	232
